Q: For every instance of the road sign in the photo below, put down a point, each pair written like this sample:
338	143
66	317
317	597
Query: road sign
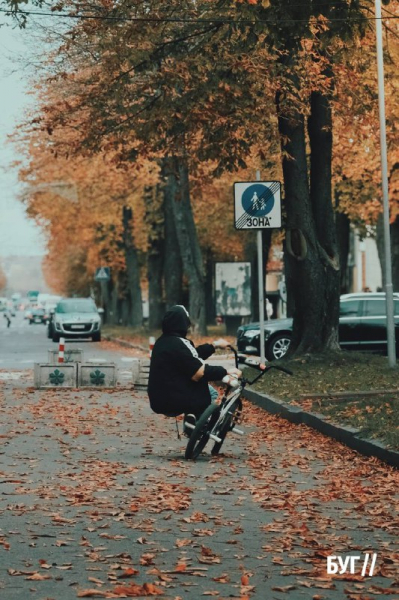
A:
103	274
257	205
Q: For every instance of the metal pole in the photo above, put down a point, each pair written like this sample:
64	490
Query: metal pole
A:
261	290
385	198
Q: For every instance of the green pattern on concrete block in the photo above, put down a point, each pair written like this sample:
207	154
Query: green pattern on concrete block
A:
97	378
57	377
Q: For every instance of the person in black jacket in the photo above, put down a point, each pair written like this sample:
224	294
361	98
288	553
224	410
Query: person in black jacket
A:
178	380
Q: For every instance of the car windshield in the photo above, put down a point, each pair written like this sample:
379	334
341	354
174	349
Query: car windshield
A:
38	311
76	306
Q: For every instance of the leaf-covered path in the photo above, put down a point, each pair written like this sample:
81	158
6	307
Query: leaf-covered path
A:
97	501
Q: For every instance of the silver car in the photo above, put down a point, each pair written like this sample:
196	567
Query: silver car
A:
75	318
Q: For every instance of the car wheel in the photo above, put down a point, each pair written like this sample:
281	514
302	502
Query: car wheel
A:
56	337
96	337
278	346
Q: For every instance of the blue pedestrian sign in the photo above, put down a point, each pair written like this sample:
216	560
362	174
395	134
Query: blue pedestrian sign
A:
257	205
103	274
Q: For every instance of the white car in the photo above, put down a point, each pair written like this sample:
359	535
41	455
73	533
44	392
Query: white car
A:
75	318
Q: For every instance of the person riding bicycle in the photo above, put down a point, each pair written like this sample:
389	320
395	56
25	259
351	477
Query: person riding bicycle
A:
178	380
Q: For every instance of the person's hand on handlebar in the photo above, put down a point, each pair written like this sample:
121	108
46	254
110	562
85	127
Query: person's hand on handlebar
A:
220	343
234	372
232	377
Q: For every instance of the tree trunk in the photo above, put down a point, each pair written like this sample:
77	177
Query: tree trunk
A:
132	270
380	246
251	255
266	245
342	225
210	308
155	255
394	234
172	265
106	300
189	247
312	267
114	315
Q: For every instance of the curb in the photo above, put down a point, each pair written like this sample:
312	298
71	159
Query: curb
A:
345	434
124	343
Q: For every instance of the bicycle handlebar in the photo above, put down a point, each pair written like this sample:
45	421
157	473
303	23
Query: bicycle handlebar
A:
262	368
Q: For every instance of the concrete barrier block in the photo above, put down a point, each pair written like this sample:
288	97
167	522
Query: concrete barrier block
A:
102	375
70	355
140	372
63	375
135	370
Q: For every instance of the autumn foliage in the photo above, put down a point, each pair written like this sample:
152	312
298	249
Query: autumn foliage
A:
221	96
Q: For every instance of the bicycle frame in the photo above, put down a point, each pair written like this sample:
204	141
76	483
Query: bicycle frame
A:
235	393
225	406
217	420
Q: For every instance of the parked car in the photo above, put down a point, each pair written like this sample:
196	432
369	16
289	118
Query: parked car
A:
38	315
75	318
362	326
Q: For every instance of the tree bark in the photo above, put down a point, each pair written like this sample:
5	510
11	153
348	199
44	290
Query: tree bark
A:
251	255
210	287
342	229
394	234
105	300
189	247
312	266
113	313
155	255
172	266
132	270
342	225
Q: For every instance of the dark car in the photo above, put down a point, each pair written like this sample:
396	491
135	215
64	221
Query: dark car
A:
362	326
38	315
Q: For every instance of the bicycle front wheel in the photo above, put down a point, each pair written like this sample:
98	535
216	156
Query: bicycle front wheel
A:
200	435
229	421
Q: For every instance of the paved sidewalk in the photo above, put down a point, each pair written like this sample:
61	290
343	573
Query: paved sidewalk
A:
97	501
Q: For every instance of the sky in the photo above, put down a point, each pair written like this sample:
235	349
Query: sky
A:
19	236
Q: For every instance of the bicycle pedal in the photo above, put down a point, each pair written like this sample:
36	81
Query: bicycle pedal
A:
238	431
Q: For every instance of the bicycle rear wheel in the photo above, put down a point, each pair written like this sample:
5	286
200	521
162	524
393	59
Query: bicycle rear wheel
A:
230	420
200	435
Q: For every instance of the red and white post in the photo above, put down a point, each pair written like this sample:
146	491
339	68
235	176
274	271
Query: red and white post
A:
151	345
61	349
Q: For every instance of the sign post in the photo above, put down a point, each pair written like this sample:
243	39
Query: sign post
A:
257	205
261	292
385	197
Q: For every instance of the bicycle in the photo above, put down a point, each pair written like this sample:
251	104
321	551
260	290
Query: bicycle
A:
218	420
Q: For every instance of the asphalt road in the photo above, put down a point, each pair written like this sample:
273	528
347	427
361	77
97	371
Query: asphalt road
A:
97	501
22	345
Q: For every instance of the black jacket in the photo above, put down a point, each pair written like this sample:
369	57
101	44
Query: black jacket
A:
174	361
